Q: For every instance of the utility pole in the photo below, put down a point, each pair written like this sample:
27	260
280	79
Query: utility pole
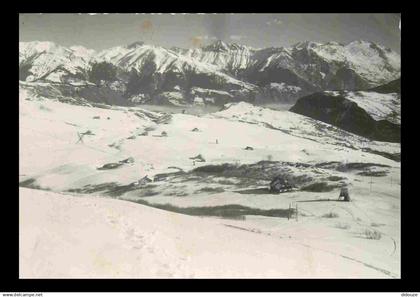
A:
80	135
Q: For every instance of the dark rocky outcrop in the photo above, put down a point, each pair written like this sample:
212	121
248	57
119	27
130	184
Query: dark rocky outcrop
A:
347	115
391	87
347	79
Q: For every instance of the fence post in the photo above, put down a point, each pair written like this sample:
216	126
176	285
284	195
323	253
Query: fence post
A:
296	212
288	213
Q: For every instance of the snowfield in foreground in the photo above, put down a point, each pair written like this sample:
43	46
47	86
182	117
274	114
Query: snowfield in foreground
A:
67	236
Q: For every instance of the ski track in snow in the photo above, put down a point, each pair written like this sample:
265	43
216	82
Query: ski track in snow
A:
388	273
150	247
296	241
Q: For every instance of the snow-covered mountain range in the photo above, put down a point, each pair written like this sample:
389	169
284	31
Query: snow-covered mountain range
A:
218	73
87	134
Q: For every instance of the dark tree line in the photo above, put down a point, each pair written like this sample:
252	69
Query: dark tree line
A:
102	71
24	71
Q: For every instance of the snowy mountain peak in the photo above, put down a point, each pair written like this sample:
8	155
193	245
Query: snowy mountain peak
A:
217	46
81	51
334	43
221	46
306	44
356	45
280	73
360	42
51	48
40	46
45	60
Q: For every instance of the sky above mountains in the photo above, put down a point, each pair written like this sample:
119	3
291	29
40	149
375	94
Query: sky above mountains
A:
100	31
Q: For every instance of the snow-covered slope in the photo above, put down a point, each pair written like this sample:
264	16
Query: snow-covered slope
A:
136	56
253	75
371	61
302	126
357	65
65	236
162	61
56	159
312	61
378	106
49	61
122	145
229	57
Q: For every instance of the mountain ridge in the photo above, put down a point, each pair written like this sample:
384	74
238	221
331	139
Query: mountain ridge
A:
276	74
